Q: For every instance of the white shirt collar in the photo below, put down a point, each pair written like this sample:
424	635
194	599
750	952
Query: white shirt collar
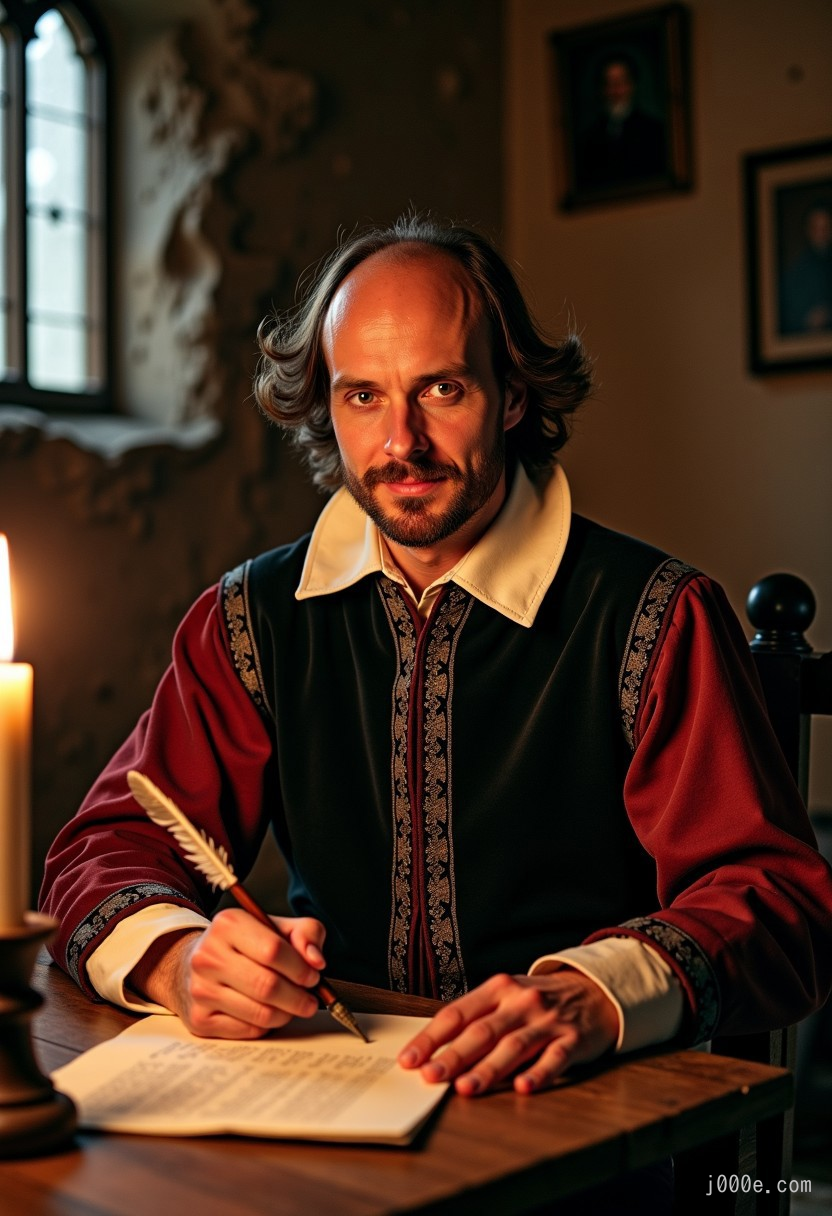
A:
510	567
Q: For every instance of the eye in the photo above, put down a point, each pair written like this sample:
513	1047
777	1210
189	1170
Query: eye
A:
443	390
364	396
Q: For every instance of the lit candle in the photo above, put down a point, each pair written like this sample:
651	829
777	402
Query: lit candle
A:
15	759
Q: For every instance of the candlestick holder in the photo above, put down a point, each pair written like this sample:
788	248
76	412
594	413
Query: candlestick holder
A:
34	1118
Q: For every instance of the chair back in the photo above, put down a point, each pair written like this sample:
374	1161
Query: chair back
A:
797	683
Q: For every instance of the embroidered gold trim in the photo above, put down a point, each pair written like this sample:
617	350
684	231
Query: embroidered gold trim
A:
404	636
642	638
438	697
440	912
97	920
693	960
240	637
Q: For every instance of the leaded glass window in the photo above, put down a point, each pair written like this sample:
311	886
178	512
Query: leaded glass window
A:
53	225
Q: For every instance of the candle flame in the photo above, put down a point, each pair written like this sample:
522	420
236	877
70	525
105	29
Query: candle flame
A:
6	622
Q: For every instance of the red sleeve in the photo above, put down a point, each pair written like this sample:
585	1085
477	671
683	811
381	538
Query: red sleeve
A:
205	744
746	901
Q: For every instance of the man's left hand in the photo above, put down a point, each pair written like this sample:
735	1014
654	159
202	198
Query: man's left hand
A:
532	1026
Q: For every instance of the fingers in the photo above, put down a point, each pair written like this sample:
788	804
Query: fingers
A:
495	1044
450	1021
233	930
532	1027
242	979
248	982
550	1064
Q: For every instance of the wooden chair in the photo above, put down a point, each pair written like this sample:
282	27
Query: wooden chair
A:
797	683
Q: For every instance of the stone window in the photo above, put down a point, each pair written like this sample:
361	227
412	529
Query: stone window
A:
53	208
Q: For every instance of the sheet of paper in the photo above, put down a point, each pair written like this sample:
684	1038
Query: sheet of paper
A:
311	1080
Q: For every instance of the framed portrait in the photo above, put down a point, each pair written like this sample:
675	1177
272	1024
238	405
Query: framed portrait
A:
622	107
788	203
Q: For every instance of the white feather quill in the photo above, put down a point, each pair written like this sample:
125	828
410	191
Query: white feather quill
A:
210	859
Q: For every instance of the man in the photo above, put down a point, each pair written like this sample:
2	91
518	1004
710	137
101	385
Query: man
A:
492	737
806	288
623	144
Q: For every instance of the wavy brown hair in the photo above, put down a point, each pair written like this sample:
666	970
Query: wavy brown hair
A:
292	381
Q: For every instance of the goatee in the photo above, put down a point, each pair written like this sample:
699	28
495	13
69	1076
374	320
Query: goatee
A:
413	523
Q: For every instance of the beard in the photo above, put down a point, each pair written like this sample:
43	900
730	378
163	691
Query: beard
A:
412	522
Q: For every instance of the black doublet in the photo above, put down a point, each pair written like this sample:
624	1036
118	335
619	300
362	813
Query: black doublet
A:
448	793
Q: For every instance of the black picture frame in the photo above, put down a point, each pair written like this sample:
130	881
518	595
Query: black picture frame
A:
788	222
622	120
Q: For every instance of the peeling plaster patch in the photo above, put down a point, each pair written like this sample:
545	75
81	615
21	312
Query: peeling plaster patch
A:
271	107
206	103
174	271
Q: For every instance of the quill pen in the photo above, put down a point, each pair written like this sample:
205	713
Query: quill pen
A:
212	861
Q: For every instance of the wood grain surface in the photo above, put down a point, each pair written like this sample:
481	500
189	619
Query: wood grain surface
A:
500	1153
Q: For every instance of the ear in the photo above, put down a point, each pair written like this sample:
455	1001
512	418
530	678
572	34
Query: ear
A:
515	400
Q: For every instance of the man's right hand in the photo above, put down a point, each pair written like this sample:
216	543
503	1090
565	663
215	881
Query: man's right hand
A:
235	979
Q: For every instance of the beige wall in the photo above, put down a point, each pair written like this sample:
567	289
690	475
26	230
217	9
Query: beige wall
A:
683	446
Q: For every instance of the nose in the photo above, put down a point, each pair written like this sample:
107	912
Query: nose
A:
406	438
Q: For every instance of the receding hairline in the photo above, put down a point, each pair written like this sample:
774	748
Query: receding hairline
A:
413	252
404	252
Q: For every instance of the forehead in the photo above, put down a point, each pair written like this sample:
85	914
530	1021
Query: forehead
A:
403	294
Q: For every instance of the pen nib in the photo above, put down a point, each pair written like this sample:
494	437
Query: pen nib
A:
345	1018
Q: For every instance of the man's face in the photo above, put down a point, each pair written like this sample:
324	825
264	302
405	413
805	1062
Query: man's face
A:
618	86
819	229
416	408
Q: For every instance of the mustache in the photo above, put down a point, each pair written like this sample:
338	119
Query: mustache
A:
420	470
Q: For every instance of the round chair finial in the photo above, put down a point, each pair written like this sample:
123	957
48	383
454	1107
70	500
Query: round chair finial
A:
781	607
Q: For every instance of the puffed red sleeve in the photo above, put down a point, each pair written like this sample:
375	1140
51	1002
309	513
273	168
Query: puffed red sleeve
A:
746	901
205	744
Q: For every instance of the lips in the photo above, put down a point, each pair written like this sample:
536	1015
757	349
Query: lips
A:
408	479
412	488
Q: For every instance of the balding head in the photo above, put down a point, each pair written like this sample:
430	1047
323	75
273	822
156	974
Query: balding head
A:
384	295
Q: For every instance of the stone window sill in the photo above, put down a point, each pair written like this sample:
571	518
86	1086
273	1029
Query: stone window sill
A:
109	436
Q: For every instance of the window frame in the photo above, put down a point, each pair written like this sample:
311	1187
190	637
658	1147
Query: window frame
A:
21	17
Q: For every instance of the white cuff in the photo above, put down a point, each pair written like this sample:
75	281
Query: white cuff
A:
645	992
110	963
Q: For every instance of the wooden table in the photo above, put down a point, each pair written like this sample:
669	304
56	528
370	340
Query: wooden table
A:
500	1153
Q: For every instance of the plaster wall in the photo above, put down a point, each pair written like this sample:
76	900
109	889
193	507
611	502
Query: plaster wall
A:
682	445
